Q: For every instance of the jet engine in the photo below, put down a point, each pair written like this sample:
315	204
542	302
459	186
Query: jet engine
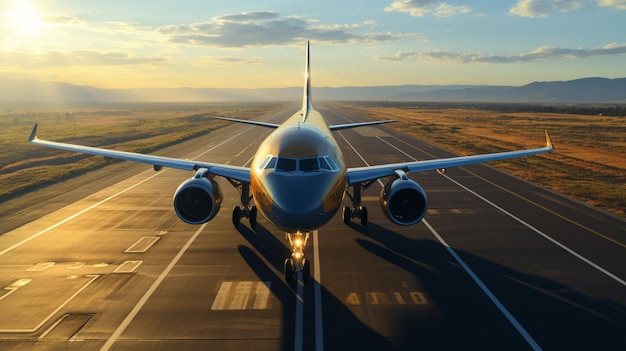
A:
197	200
403	201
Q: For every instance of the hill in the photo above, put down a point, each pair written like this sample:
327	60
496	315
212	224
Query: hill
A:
585	90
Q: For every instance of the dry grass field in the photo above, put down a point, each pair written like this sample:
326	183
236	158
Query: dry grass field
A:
589	162
137	127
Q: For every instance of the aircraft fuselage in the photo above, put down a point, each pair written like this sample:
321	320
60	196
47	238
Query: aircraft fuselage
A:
298	176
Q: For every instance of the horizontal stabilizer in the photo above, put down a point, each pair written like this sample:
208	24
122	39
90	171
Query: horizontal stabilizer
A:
256	123
354	125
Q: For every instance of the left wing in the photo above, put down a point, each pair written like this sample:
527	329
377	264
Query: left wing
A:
233	172
362	174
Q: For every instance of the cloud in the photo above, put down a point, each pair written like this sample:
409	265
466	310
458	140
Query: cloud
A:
61	19
618	4
543	8
419	8
542	53
78	57
227	61
262	29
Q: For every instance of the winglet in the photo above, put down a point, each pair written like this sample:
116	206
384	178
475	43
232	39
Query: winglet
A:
549	143
33	134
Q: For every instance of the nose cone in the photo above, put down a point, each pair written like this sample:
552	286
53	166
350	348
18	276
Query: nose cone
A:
298	200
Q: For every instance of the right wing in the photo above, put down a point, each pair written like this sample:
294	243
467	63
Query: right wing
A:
233	172
362	174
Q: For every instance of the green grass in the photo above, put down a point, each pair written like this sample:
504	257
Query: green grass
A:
146	128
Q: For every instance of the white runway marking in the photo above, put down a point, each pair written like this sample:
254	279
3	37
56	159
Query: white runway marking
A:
317	280
529	339
555	242
131	315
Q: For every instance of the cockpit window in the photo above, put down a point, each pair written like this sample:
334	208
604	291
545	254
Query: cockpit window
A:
308	165
331	163
324	164
286	164
271	163
314	164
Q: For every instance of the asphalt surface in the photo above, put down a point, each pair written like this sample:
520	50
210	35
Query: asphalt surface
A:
497	264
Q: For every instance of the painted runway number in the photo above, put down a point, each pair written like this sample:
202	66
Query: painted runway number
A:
375	298
242	295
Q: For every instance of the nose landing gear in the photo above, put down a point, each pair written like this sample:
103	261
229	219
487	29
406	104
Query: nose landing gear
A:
297	263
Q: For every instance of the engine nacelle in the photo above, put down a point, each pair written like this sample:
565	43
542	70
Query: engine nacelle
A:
197	200
403	201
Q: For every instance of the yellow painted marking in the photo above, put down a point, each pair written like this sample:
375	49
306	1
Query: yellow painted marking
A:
262	294
399	298
433	211
394	298
353	299
222	294
418	298
128	267
455	210
142	245
242	295
39	267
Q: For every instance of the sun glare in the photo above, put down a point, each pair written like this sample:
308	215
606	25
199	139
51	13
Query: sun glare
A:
25	19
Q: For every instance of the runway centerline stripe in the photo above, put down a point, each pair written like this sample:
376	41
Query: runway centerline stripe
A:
516	324
131	315
317	280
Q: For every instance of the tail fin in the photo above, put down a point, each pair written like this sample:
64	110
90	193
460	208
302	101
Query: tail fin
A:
306	96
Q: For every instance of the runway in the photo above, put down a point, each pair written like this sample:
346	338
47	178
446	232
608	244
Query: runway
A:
497	264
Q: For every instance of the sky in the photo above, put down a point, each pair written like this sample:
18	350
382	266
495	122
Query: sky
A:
258	44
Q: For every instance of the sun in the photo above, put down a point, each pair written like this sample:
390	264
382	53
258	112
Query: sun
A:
25	19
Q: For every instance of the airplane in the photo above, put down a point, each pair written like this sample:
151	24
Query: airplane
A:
298	179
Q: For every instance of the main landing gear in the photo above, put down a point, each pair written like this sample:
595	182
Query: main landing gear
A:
246	209
356	210
297	263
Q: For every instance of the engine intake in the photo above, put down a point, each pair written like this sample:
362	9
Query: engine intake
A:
197	200
403	200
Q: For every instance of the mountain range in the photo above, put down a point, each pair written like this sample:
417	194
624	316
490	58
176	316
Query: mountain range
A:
585	90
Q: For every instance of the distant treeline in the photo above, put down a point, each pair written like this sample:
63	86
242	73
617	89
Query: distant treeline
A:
582	109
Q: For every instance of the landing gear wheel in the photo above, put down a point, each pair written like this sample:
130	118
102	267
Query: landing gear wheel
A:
252	216
347	212
363	214
236	216
306	270
288	269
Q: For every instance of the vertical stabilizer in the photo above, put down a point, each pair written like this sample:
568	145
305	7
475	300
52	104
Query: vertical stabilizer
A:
306	96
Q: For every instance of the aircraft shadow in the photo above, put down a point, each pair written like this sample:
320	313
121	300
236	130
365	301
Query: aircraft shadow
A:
273	252
550	311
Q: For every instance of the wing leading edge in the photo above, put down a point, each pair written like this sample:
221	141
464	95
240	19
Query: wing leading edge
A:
233	172
362	174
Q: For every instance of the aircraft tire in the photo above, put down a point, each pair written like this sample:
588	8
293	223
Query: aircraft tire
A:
306	270
346	215
236	216
363	216
253	214
288	269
